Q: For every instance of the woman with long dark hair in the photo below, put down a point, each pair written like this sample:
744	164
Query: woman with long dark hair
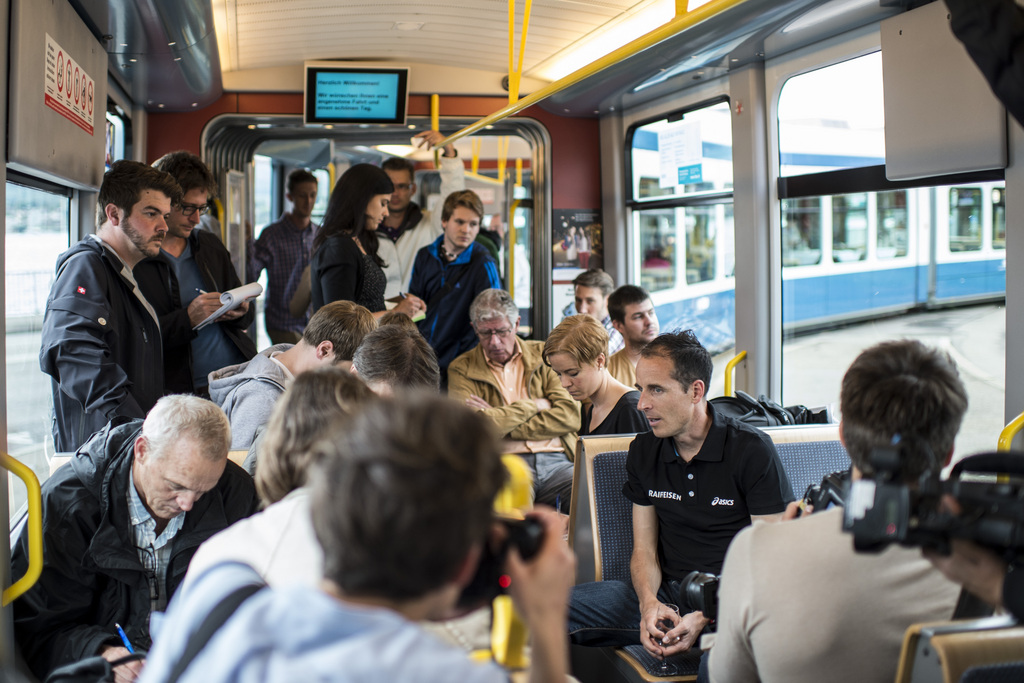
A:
345	263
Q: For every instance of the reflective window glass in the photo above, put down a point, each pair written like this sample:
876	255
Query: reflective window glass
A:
833	118
849	227
998	218
681	156
965	215
801	231
38	229
892	224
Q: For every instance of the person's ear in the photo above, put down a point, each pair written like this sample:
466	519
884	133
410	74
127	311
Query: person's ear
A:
140	449
324	350
601	362
112	213
619	327
698	390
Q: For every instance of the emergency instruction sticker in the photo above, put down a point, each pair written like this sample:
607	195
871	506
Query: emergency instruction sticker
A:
68	89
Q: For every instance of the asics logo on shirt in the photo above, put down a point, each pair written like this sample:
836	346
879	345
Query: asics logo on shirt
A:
721	501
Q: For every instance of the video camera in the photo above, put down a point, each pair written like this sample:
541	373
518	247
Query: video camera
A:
989	488
698	592
525	535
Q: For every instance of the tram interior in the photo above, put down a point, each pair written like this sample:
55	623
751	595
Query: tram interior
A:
836	194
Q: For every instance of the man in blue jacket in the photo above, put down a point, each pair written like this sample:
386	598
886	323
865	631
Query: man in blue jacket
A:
448	275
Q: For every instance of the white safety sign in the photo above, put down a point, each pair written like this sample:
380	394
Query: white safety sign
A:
68	90
680	152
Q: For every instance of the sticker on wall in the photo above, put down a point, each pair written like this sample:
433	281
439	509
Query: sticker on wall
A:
67	88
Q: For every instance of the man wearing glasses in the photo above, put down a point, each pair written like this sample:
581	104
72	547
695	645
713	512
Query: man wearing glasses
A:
507	379
408	228
184	282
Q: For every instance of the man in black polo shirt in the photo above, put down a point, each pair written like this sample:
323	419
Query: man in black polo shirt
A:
695	480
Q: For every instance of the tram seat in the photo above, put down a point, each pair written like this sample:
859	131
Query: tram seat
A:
946	651
601	536
238	456
808	453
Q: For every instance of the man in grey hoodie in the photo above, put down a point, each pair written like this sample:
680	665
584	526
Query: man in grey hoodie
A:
247	392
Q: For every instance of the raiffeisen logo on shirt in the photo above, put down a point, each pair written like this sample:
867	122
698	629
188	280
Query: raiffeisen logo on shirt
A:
721	501
671	495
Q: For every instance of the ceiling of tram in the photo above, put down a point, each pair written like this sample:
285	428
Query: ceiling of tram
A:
255	34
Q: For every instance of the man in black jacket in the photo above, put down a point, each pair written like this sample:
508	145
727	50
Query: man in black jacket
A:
121	522
184	283
101	338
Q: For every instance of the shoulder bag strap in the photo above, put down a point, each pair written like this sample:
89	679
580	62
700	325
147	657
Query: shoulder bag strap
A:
214	620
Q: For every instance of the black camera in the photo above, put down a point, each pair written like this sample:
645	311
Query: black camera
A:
829	493
525	535
989	488
698	592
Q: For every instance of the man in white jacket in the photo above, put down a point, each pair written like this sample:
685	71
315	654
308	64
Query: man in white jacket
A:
408	228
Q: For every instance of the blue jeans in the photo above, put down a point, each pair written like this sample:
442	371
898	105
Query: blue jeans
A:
607	614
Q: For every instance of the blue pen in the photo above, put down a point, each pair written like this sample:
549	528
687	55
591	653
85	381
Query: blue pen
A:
201	291
558	503
124	638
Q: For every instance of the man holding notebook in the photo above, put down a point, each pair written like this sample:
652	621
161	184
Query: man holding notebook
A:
184	282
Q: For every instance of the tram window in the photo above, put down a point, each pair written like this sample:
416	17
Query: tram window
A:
893	233
965	218
263	178
849	227
684	156
700	243
801	231
323	194
657	231
833	118
38	231
998	218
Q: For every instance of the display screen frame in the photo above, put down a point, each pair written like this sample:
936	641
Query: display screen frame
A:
400	93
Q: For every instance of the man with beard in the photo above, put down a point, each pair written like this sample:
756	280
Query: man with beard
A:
101	337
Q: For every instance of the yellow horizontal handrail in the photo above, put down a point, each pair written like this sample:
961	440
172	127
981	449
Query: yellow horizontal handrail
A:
730	370
666	30
35	528
1010	431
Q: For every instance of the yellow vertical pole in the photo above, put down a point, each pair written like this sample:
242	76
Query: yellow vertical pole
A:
435	123
503	145
681	7
474	163
519	172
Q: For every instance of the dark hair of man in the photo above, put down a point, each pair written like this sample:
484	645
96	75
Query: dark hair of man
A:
346	209
402	493
399	164
398	357
690	360
344	324
189	170
299	176
907	389
124	183
315	402
595	277
398	319
464	198
626	295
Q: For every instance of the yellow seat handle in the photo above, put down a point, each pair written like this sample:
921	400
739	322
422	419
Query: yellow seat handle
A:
1010	431
35	528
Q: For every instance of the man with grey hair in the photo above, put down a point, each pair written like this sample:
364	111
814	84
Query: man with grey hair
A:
507	379
121	522
392	358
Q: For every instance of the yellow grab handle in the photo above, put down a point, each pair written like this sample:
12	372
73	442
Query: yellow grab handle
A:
730	370
35	528
1010	431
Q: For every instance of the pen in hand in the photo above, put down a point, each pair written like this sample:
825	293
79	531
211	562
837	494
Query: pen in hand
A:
124	638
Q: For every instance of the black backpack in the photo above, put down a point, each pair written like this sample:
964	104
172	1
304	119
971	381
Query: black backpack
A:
764	412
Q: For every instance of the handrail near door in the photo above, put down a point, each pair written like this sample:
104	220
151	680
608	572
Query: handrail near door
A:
35	528
1009	431
730	370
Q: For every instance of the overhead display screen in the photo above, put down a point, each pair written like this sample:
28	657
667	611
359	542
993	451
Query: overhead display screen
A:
336	94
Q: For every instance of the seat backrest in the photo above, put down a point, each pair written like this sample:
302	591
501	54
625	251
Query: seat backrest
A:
944	651
598	507
808	453
995	673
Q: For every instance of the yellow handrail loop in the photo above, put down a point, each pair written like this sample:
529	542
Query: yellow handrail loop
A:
35	528
1009	431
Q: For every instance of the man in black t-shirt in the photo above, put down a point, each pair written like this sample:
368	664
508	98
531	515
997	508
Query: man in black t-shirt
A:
695	480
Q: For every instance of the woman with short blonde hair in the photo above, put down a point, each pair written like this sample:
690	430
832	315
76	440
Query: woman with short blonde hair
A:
577	350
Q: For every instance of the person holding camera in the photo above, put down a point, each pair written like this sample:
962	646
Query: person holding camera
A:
695	480
796	602
402	506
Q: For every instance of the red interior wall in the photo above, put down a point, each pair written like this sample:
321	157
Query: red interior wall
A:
575	144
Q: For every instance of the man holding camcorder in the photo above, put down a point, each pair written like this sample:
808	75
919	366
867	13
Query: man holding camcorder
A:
797	603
